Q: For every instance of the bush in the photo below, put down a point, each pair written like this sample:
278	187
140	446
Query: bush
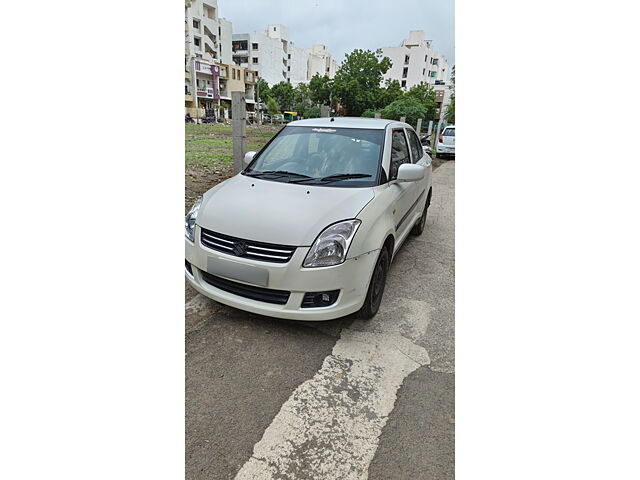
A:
410	108
369	113
312	112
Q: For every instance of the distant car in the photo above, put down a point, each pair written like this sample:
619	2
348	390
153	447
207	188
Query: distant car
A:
447	141
308	229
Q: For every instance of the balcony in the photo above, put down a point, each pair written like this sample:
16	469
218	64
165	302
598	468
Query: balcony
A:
249	77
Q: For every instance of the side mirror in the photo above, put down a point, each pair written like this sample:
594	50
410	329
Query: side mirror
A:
248	157
409	172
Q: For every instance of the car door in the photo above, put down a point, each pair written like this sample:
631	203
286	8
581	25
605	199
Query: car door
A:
404	192
419	157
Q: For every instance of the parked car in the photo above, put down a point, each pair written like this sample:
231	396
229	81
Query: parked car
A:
447	141
308	229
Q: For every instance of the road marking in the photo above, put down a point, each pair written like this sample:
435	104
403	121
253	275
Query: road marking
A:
330	426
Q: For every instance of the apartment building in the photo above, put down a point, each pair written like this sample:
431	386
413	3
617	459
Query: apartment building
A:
320	62
207	45
277	59
234	78
415	61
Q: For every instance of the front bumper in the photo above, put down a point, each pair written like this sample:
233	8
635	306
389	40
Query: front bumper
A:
351	278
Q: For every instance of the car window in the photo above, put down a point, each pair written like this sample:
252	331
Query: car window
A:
320	152
416	148
399	152
449	132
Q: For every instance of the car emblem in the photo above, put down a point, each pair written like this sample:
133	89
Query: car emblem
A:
240	248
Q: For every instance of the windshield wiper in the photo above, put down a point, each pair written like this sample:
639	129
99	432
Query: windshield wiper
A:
279	173
333	178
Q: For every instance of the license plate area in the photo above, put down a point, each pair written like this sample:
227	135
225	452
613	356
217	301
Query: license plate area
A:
238	271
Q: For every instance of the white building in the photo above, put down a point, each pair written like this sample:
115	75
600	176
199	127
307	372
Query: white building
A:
320	62
207	45
415	61
277	59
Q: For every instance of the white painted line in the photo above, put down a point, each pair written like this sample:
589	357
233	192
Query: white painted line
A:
330	426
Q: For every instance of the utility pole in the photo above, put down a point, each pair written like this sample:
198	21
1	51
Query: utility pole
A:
419	126
238	129
259	112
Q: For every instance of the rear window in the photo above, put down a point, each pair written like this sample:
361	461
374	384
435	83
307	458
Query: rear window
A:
449	132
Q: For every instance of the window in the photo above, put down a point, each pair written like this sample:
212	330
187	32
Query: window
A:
274	29
405	70
289	56
399	153
254	59
406	59
196	41
254	46
320	152
416	148
196	23
424	70
288	69
403	84
449	132
426	57
233	73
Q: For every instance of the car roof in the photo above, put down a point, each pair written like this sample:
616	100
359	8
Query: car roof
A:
348	122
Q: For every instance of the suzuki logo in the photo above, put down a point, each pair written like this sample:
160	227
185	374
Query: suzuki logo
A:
240	248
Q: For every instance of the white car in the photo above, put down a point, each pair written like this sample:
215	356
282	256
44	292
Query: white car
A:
446	144
308	229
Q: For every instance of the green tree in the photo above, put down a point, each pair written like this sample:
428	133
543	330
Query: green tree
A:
408	107
450	114
369	113
264	90
283	94
312	112
320	89
301	100
272	106
391	92
426	95
357	81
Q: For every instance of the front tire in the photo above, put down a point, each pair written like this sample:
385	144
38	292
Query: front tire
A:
373	298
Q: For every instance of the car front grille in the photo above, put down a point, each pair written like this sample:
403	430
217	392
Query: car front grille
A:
265	252
279	297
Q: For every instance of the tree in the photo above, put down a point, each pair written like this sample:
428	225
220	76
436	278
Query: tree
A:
320	89
272	106
264	90
426	95
357	81
312	112
301	100
391	92
450	115
283	93
408	107
369	113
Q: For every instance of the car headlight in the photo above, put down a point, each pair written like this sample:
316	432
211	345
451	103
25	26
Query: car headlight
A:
190	220
331	247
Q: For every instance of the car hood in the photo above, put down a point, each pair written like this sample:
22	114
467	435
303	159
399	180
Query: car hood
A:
278	212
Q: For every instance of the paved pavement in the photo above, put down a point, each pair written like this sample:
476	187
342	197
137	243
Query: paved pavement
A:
344	399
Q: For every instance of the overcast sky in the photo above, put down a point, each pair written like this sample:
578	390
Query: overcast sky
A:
344	25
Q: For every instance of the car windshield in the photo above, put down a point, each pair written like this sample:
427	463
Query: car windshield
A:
337	157
449	132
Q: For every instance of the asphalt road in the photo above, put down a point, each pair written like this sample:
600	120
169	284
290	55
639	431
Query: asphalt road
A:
344	399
